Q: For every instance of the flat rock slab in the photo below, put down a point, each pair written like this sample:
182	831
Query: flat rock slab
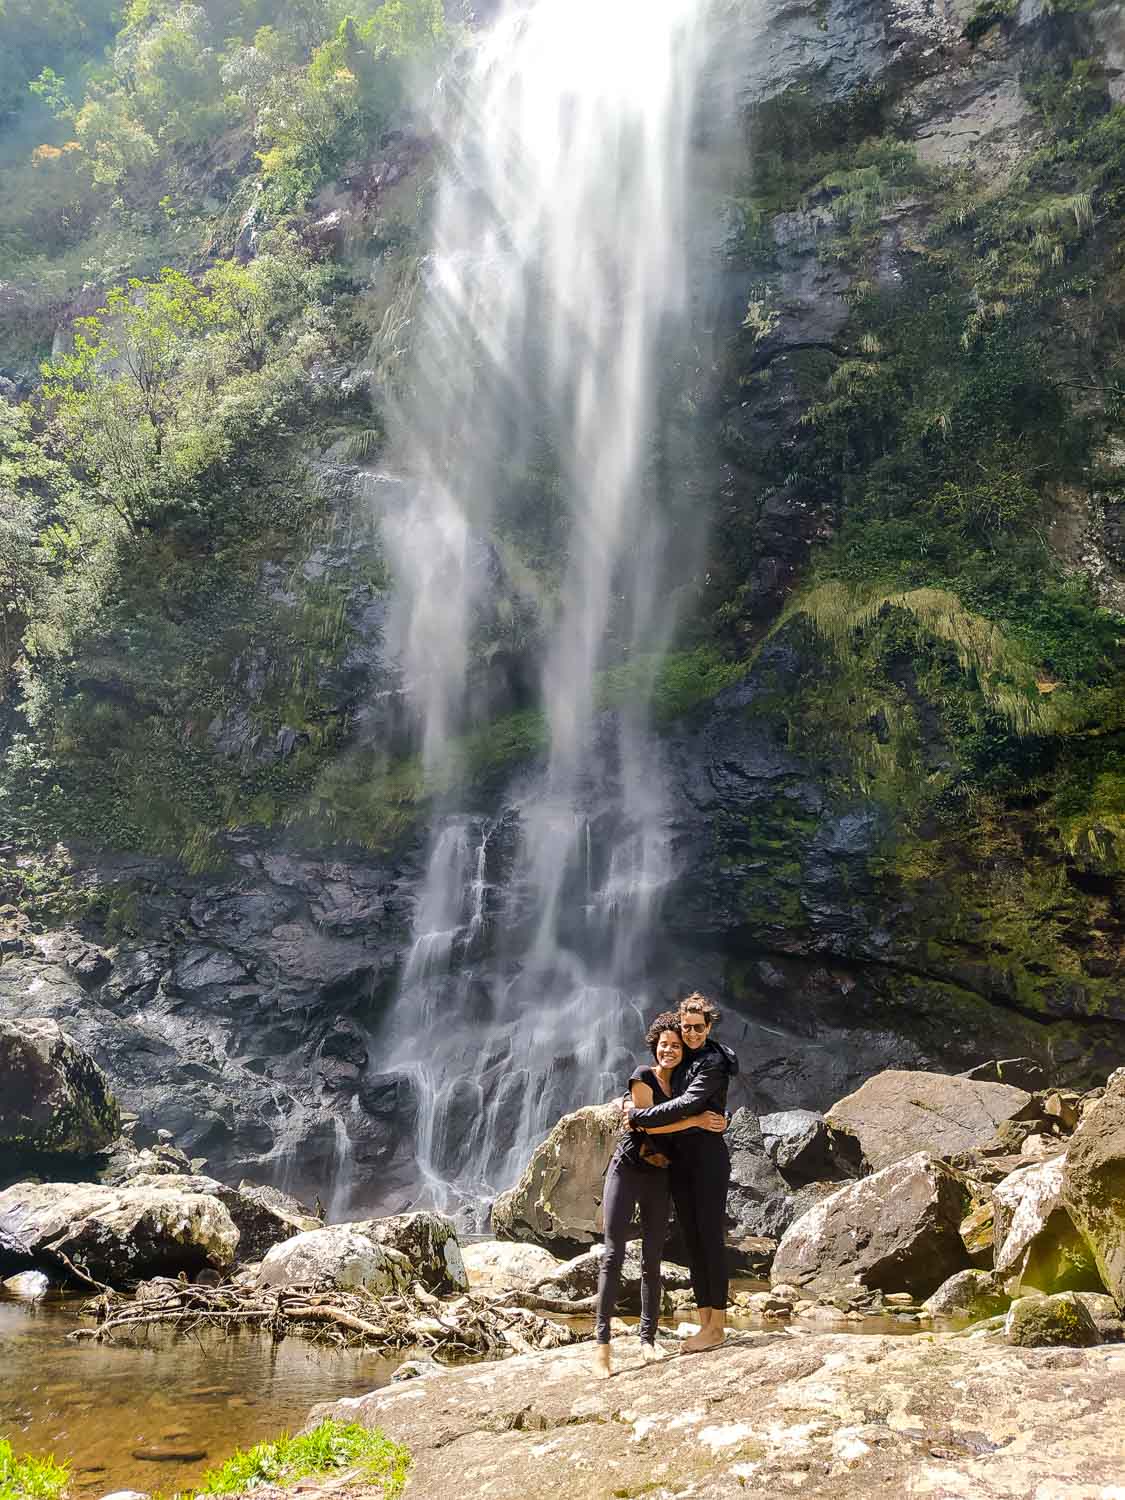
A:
830	1416
897	1113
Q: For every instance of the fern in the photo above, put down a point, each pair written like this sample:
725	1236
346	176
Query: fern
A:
361	447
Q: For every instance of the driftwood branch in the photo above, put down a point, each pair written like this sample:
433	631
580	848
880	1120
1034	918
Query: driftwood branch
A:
462	1325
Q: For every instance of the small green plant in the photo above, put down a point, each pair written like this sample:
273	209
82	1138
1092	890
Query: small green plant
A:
30	1478
285	1460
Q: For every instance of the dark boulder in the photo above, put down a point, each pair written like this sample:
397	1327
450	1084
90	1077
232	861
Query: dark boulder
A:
897	1230
758	1199
54	1098
805	1148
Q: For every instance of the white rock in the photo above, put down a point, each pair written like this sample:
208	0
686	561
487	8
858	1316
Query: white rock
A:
337	1255
29	1284
500	1266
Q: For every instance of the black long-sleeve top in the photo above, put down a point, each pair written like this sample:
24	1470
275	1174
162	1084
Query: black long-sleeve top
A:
700	1082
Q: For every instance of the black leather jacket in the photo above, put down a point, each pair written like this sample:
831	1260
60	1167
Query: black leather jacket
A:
700	1082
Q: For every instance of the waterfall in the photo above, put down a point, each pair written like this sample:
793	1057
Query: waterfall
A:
554	303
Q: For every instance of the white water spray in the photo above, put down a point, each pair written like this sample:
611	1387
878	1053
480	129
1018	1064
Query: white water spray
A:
555	298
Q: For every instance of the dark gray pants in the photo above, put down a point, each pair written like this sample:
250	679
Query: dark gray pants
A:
626	1190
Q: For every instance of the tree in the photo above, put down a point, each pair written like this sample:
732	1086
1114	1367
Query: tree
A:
259	306
34	491
116	395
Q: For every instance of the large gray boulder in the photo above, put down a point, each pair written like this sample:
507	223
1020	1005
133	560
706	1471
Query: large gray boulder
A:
578	1278
1094	1184
897	1113
1035	1239
805	1148
897	1230
121	1235
429	1242
557	1201
262	1219
969	1294
53	1096
339	1256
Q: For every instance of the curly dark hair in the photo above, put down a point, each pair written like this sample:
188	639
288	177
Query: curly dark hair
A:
700	1005
667	1020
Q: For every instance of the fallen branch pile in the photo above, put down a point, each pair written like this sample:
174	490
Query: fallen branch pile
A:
469	1325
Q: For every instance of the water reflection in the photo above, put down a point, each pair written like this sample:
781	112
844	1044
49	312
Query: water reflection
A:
96	1405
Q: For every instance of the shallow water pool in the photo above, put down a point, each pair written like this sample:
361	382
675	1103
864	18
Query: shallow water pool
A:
190	1400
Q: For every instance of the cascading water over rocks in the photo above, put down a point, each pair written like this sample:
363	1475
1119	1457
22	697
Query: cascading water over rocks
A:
555	298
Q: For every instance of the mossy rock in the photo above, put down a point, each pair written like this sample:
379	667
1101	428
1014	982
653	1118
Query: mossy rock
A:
54	1098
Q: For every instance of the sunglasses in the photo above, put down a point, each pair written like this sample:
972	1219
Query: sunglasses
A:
692	1026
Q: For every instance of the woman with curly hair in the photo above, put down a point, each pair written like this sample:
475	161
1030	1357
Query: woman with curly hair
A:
700	1173
638	1179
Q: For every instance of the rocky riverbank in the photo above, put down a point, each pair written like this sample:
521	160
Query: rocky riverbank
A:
769	1414
983	1204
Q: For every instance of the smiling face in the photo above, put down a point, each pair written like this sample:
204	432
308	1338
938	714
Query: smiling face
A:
669	1050
695	1027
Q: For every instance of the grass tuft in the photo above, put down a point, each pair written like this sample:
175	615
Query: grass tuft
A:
30	1478
331	1445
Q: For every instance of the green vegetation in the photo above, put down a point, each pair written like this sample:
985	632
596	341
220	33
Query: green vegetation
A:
30	1478
960	676
374	1459
151	136
330	1447
949	423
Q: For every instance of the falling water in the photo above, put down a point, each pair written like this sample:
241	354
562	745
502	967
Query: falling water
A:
555	296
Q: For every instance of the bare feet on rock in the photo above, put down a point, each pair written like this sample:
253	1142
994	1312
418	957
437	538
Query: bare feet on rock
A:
711	1330
707	1338
603	1362
651	1353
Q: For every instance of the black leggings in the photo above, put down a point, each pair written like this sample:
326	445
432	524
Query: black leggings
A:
628	1188
700	1178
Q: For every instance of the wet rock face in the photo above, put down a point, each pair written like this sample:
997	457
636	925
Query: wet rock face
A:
897	1230
53	1096
240	1018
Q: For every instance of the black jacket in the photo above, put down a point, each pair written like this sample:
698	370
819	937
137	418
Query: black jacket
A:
700	1082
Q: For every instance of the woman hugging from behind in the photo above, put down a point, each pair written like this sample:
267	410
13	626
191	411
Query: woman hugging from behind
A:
637	1180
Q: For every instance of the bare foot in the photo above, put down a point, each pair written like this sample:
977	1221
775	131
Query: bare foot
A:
652	1352
603	1362
707	1338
